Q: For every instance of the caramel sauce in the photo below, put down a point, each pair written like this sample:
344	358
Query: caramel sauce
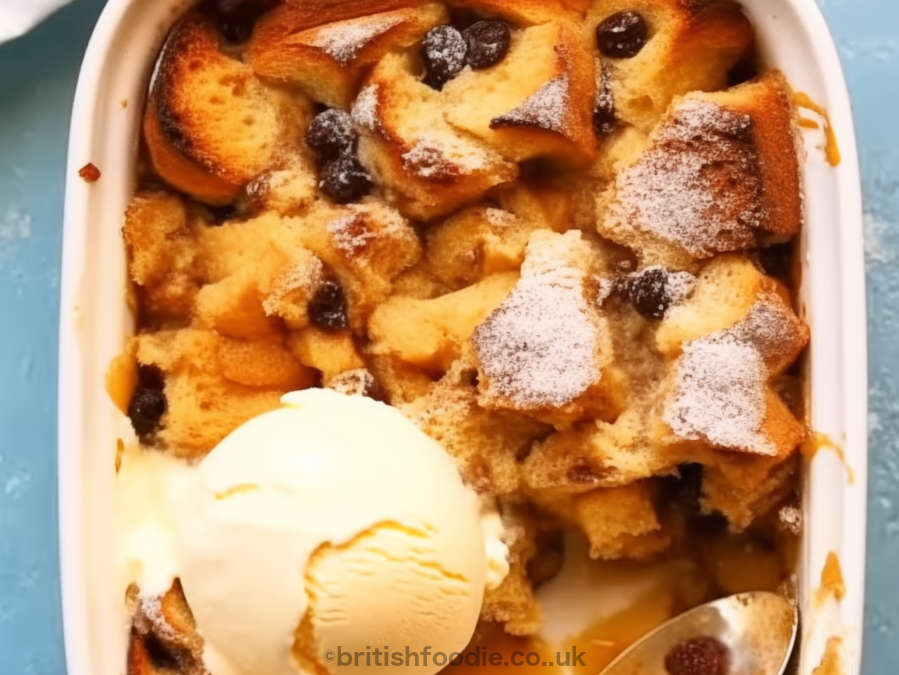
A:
831	147
832	582
817	442
807	123
119	453
597	646
121	380
605	640
832	661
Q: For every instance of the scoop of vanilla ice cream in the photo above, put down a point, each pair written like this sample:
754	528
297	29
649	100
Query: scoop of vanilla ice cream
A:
332	524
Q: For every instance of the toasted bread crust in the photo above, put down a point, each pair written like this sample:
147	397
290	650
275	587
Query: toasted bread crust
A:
739	190
768	102
572	135
527	12
298	15
210	125
327	59
179	170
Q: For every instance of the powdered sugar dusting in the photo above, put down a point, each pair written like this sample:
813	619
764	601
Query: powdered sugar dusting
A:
604	289
343	41
722	379
356	382
697	186
500	218
539	348
791	518
352	233
151	620
349	233
545	109
719	395
679	286
768	326
303	275
443	156
365	108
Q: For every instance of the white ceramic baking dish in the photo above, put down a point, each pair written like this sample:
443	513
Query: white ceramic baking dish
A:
95	322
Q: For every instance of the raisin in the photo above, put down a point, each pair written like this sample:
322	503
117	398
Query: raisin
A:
236	18
220	214
344	179
146	409
648	292
742	71
685	490
699	656
443	51
488	43
331	134
622	35
777	260
328	307
151	377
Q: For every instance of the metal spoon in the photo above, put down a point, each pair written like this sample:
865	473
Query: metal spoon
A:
758	629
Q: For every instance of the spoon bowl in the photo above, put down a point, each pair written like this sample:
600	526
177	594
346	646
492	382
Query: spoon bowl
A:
757	629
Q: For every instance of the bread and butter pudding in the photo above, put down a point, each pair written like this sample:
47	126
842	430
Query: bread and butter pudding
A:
556	235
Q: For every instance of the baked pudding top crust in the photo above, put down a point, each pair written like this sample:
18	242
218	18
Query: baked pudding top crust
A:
540	229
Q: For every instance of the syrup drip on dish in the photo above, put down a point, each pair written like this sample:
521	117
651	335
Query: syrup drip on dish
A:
831	147
817	441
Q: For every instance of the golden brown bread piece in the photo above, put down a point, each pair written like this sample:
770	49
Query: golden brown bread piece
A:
768	102
476	242
487	444
431	334
402	382
364	246
294	16
513	604
732	293
327	58
329	352
211	126
537	102
720	174
692	45
424	165
214	384
159	240
526	12
619	522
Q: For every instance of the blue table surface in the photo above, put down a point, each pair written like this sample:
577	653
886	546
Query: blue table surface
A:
37	81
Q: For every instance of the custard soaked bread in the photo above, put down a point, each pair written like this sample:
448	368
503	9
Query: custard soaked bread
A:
533	227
